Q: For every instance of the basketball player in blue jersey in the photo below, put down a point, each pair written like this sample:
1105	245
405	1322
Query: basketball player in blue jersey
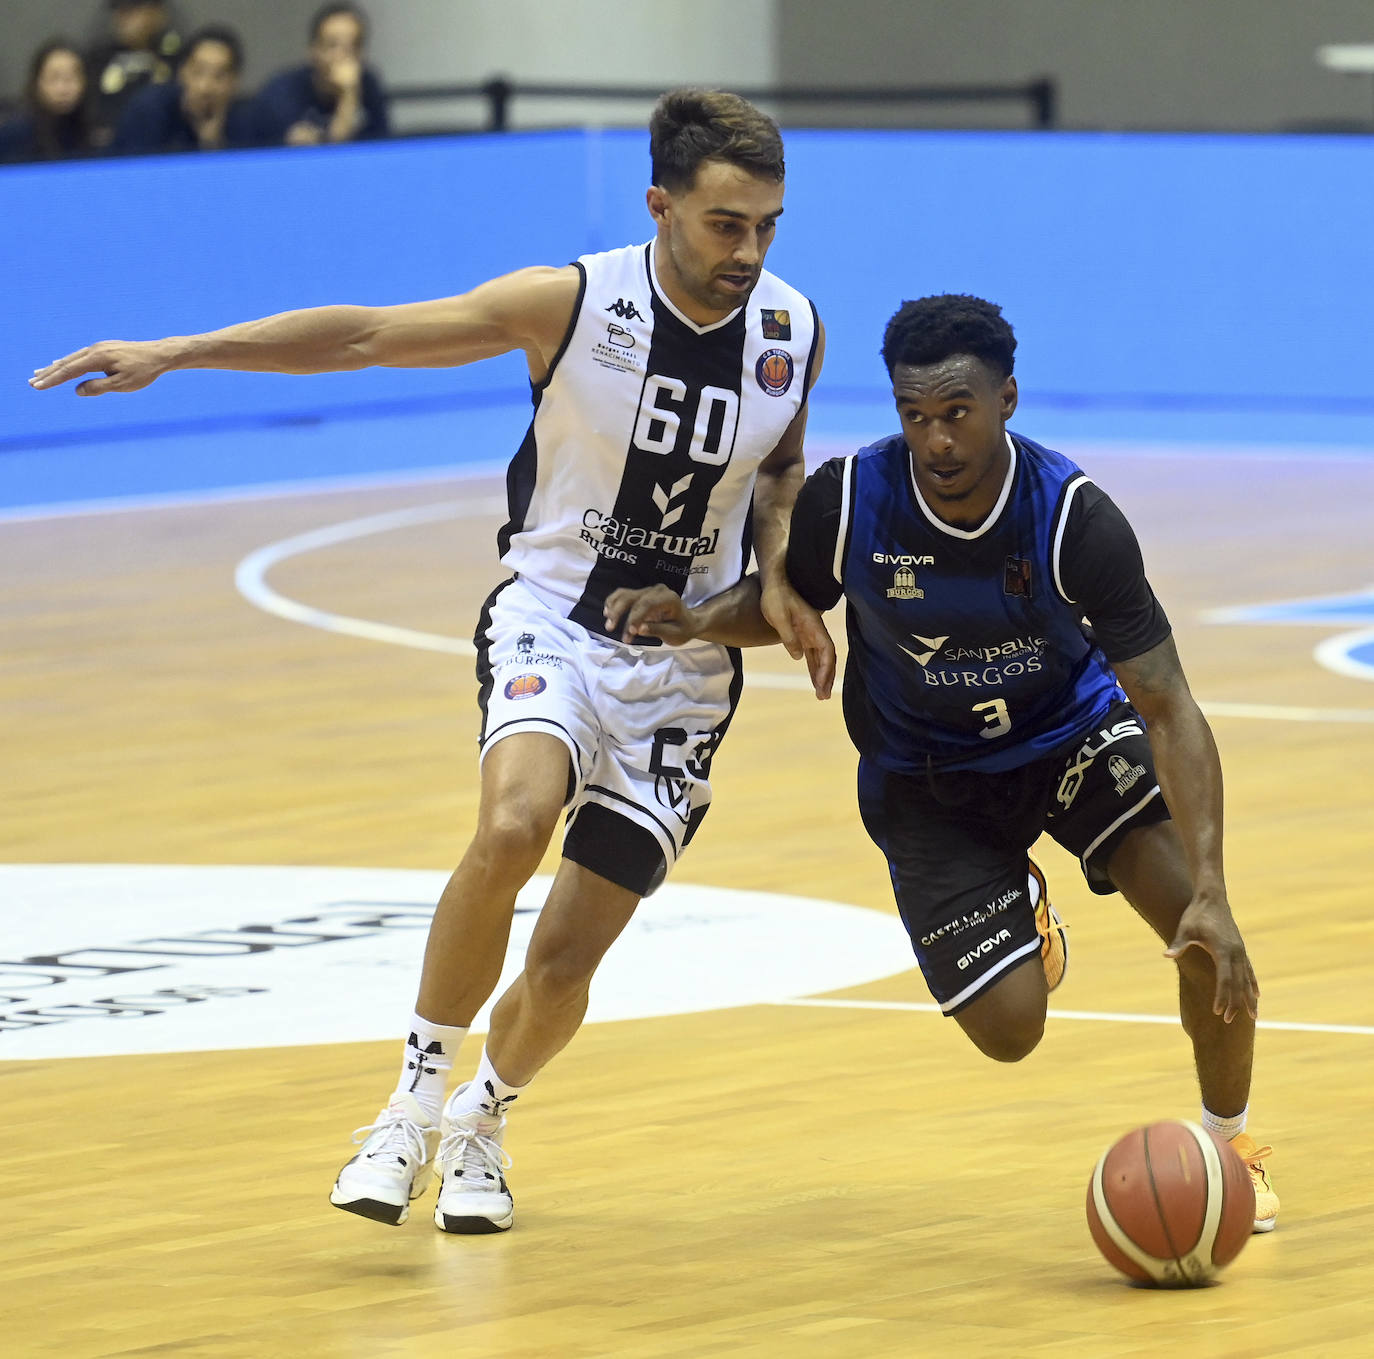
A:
1010	673
669	387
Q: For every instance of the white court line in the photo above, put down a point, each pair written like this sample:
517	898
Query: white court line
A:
250	577
1092	1016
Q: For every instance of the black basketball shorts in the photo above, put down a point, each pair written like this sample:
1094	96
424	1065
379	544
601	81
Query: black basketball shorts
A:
956	846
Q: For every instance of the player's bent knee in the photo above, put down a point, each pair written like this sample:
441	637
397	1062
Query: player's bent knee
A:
515	833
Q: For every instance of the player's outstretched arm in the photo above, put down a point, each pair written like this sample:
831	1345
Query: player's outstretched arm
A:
732	618
528	310
1190	778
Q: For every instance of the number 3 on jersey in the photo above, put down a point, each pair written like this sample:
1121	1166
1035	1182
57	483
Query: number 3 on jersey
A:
662	405
996	716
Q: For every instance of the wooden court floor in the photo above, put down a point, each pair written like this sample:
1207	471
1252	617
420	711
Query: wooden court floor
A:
763	1181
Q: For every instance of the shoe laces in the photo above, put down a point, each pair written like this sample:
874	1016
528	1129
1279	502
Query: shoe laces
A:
401	1136
1248	1152
481	1156
1253	1156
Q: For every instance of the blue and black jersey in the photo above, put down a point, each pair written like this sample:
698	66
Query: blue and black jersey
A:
984	648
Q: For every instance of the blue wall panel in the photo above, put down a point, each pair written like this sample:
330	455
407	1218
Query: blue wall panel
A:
171	245
1145	272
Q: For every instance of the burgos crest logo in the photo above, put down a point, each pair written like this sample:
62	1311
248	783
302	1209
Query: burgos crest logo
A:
525	686
774	371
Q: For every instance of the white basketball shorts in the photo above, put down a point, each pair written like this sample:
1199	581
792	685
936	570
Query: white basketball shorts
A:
641	725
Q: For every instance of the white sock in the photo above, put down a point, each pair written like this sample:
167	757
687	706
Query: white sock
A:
1224	1127
429	1055
487	1093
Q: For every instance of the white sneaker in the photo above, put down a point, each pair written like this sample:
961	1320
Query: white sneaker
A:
471	1168
380	1181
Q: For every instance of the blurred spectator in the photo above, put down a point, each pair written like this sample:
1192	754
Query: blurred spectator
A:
335	98
200	110
55	121
141	51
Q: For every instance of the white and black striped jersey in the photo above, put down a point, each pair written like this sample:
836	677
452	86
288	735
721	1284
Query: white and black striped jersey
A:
639	463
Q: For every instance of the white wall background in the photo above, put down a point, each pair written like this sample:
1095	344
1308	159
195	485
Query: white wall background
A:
1226	64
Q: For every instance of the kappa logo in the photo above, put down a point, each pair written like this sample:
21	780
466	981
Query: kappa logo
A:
419	1059
923	657
627	311
494	1104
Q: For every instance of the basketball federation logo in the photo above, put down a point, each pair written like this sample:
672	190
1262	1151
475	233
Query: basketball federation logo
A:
774	371
525	686
777	325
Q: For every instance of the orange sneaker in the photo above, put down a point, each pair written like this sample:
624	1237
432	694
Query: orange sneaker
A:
1266	1201
1054	938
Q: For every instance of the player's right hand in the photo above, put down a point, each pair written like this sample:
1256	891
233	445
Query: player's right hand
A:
127	365
653	612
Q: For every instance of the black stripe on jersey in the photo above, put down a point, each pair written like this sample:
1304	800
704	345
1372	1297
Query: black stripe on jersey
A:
815	345
664	490
482	641
523	471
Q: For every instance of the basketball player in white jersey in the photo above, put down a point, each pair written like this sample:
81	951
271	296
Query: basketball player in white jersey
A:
669	389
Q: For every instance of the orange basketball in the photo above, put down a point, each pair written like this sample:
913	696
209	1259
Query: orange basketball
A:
1170	1204
775	370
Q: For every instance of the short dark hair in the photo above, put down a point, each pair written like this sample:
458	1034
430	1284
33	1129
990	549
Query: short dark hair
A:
220	33
327	12
935	328
690	126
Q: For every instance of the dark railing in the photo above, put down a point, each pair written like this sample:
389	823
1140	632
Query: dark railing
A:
1039	95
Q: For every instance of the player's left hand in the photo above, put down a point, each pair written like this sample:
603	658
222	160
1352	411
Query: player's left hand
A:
802	631
652	612
1208	924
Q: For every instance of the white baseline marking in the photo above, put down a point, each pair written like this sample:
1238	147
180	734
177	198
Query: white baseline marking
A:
1092	1016
250	577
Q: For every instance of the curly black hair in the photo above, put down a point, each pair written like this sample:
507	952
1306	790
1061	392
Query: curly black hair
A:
691	126
931	329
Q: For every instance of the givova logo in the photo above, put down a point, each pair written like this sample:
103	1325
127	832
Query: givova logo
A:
128	958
